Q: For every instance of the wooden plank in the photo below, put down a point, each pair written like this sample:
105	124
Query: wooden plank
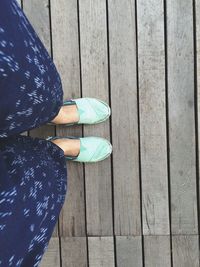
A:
122	44
185	250
66	57
38	15
51	258
74	250
94	69
197	77
129	251
101	251
157	251
181	116
152	117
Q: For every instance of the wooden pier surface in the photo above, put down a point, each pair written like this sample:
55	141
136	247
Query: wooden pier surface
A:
139	207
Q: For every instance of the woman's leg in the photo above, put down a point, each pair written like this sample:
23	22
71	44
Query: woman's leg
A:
30	86
33	186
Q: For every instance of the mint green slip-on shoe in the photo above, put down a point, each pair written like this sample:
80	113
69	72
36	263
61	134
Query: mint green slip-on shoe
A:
92	148
91	110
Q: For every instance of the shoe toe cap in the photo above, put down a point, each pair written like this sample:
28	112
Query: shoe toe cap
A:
92	110
101	150
99	110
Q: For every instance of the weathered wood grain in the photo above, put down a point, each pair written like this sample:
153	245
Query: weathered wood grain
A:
185	250
181	116
129	251
122	46
51	258
157	251
66	57
94	69
151	61
74	251
101	251
197	78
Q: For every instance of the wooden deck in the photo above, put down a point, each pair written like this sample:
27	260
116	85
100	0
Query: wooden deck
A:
140	207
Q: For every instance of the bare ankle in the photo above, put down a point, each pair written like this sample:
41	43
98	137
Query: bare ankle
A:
67	114
71	147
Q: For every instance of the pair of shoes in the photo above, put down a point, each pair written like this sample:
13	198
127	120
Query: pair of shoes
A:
91	111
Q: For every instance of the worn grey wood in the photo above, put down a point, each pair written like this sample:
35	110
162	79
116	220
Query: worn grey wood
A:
38	15
66	57
74	251
197	57
157	251
51	258
185	250
94	69
152	117
101	251
129	251
181	116
122	44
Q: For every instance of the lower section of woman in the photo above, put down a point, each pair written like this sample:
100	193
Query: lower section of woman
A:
33	171
33	185
30	86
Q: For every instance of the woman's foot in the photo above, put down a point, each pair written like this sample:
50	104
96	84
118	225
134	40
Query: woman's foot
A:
71	147
67	114
84	110
83	149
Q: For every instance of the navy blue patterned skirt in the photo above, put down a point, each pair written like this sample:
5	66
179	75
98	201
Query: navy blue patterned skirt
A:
33	171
